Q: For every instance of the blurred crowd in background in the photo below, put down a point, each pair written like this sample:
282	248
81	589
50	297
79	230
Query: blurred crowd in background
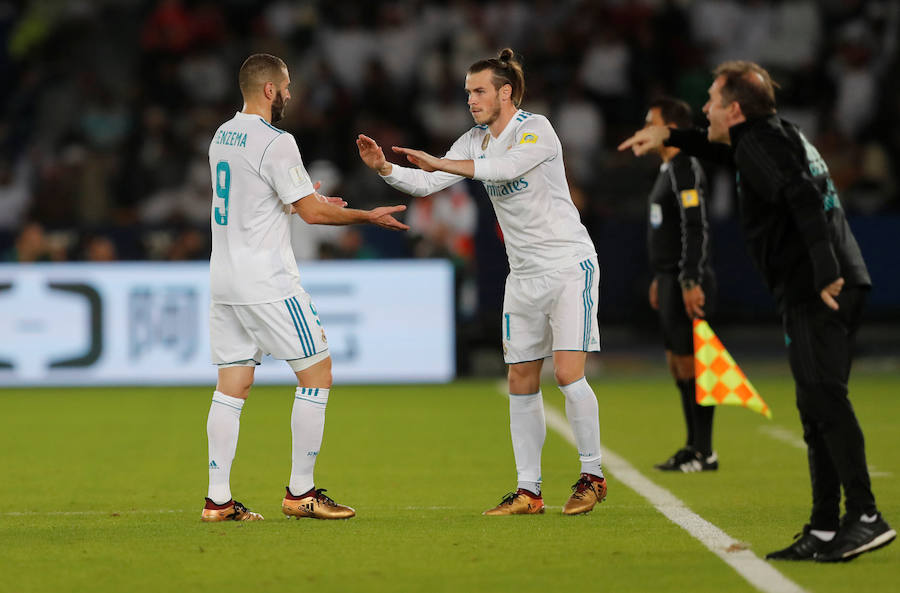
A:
108	107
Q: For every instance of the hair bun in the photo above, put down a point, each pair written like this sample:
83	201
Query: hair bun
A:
506	55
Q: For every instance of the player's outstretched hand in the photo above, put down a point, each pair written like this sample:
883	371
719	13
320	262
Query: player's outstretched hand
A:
830	292
372	155
646	139
419	158
328	199
334	200
383	217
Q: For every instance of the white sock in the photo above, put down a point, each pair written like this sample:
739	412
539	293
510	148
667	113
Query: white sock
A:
307	427
825	536
222	427
868	518
528	429
581	408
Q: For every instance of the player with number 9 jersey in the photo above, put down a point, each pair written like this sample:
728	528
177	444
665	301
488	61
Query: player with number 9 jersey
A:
256	170
258	306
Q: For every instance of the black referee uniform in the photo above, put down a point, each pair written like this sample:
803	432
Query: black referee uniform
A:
799	239
678	244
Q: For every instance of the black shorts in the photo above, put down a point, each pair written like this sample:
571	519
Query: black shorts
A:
677	327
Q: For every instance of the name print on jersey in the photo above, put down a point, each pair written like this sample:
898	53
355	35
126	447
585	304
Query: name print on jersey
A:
229	138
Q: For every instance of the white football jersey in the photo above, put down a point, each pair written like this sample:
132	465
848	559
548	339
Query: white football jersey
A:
256	169
522	171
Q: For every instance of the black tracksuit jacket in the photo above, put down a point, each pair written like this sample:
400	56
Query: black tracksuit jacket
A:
792	219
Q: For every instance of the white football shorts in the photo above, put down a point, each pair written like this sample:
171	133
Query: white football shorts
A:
288	330
557	311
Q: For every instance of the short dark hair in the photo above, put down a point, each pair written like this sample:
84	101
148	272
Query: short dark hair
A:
673	111
259	69
750	85
506	70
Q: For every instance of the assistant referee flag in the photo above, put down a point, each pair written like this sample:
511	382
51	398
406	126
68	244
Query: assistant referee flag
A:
719	379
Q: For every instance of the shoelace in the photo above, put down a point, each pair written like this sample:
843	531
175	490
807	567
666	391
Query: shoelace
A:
579	487
321	497
239	510
509	497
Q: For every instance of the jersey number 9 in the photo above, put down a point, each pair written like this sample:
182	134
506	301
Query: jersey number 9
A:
223	188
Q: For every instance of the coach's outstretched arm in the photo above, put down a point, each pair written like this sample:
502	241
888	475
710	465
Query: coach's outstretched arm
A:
692	141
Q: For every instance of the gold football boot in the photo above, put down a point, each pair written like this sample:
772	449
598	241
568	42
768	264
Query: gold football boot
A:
586	492
520	502
230	511
314	505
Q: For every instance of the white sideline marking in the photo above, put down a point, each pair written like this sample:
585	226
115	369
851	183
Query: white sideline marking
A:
73	513
779	433
755	571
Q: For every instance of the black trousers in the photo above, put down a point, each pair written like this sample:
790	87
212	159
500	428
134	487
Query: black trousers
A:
819	346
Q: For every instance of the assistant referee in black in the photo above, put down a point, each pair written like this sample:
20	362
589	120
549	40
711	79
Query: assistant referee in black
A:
683	285
799	239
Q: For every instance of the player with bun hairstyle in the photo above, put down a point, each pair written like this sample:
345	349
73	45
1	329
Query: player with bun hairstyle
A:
552	291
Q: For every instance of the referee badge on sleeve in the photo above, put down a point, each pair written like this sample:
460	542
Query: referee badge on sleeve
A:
690	198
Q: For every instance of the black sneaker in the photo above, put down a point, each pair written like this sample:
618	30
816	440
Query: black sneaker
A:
805	547
699	463
856	537
673	463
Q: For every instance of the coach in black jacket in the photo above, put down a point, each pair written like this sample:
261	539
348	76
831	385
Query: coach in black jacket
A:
800	241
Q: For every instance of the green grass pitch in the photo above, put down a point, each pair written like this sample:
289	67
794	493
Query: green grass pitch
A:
101	491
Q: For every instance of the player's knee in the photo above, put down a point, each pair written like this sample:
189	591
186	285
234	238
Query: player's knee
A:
567	376
523	381
318	375
235	381
326	377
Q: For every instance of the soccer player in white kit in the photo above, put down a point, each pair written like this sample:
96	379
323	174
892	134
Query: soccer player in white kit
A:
549	307
258	306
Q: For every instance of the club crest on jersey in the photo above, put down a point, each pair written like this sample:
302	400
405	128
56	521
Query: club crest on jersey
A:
690	198
484	143
297	174
529	138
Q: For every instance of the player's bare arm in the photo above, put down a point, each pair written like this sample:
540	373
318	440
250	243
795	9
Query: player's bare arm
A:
430	163
316	211
646	140
289	209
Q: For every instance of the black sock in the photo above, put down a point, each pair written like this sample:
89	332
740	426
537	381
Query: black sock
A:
703	423
686	389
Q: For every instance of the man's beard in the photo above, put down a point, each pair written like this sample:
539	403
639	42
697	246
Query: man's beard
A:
278	107
495	114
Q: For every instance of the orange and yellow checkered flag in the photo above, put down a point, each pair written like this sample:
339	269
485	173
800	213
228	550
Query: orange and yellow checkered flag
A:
719	379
